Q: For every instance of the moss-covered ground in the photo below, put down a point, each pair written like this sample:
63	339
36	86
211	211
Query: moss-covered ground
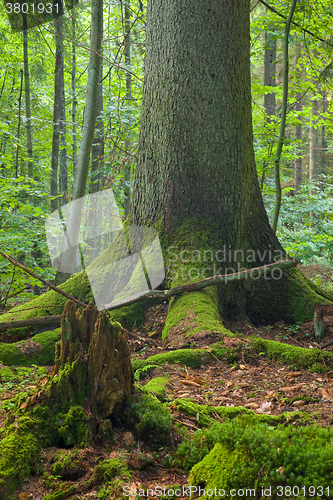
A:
207	403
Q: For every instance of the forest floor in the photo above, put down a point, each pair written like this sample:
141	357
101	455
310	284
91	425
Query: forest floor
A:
254	381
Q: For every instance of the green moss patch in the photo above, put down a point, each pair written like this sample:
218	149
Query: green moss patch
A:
311	359
19	456
192	313
245	453
39	350
189	357
157	386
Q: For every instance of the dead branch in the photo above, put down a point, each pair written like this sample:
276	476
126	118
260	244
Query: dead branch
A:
55	288
45	320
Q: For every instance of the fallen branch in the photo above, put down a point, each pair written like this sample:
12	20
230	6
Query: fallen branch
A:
212	280
45	320
155	294
55	288
325	345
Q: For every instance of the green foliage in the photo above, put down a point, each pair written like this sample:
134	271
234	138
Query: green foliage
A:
157	386
19	457
306	224
246	452
21	353
155	421
143	370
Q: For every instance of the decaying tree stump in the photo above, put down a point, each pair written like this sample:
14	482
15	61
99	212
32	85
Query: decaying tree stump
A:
92	362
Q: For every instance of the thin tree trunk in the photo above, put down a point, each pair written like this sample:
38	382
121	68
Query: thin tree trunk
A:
278	190
3	84
57	113
314	163
89	121
18	126
97	151
5	135
27	100
323	149
90	112
127	174
270	72
74	101
63	176
298	162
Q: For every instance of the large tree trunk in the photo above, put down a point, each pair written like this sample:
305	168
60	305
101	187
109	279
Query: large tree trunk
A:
196	178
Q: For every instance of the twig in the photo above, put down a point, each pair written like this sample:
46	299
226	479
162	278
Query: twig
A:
55	288
295	24
325	345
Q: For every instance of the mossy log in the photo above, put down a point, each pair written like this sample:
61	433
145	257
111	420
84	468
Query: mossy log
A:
37	351
92	362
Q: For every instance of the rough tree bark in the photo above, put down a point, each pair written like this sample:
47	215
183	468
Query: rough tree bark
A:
92	362
196	178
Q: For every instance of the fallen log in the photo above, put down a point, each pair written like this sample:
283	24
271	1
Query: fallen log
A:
45	320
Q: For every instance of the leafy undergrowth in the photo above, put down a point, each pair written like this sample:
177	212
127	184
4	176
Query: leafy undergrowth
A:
231	381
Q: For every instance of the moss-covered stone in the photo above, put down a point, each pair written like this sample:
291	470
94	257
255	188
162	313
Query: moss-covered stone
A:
157	386
38	350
